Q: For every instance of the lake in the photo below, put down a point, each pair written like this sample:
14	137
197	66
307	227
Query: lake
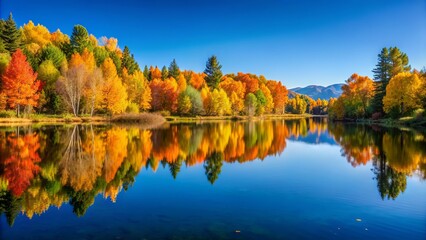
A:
271	179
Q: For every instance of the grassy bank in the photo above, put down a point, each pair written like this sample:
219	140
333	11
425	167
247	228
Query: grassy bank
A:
179	119
149	119
405	122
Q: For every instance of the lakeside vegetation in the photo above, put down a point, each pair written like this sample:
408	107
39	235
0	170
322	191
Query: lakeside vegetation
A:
397	96
50	73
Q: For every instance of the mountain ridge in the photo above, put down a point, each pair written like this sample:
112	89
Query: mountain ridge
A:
318	91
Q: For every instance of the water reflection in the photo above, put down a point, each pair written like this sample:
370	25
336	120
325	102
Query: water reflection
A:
395	154
52	165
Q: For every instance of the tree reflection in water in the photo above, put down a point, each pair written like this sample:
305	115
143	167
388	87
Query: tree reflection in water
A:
51	165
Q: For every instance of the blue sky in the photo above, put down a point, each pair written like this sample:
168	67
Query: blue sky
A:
297	42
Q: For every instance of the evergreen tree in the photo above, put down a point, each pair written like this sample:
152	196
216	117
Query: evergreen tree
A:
213	72
2	47
391	61
10	35
117	61
164	72
79	39
128	61
174	70
53	53
146	73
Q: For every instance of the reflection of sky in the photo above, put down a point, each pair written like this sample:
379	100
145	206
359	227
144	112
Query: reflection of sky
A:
315	138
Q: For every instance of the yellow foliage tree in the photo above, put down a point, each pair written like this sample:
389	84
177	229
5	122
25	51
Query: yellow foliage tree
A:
58	38
269	106
37	36
220	103
113	94
402	93
181	81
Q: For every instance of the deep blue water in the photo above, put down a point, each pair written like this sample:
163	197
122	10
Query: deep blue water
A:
304	190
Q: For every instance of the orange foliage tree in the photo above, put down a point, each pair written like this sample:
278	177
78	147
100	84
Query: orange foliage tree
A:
251	82
20	84
279	94
164	94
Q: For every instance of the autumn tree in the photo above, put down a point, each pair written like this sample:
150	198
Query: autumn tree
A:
220	103
184	104
19	83
59	39
113	93
297	105
279	94
70	85
48	75
35	37
164	94
138	89
154	73
269	104
391	61
196	79
92	89
250	81
357	93
402	94
111	44
190	102
251	104
213	72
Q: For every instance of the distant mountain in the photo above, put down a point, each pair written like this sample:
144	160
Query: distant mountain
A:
315	91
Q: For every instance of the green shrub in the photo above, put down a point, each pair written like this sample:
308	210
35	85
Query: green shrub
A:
7	114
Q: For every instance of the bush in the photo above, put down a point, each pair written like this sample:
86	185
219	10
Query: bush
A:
7	114
132	108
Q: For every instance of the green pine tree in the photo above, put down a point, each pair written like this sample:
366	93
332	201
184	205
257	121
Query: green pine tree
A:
174	70
213	72
128	61
79	39
10	35
146	73
391	61
164	72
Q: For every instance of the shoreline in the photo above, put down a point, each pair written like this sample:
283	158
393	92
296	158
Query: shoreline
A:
407	122
143	118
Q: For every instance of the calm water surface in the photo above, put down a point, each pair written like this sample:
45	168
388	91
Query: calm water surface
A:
226	180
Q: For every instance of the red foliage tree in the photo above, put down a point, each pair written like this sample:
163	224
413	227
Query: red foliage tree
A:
20	84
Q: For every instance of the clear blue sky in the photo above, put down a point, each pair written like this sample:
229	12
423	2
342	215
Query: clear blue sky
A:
297	42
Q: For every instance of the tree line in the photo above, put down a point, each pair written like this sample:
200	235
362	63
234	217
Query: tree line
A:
53	73
397	90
